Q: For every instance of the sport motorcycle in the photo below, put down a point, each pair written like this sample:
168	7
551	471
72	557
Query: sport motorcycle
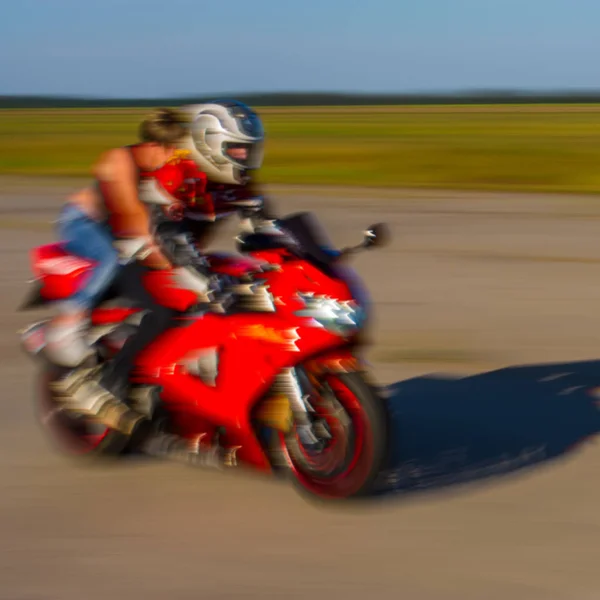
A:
268	375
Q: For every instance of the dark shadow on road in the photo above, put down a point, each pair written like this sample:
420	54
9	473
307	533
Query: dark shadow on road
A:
447	431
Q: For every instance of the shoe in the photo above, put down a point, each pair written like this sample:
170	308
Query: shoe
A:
66	345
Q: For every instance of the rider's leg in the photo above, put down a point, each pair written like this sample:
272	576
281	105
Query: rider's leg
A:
103	396
87	238
79	391
163	303
158	319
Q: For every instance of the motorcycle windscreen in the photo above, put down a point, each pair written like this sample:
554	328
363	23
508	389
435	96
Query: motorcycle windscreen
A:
312	238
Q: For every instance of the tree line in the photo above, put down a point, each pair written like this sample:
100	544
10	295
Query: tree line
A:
311	99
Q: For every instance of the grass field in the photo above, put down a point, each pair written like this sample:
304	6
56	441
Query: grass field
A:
534	148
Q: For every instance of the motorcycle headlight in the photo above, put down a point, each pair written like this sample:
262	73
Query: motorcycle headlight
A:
340	317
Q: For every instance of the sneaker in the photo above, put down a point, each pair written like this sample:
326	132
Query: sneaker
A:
66	345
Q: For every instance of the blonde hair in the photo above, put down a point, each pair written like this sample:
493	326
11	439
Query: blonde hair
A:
165	126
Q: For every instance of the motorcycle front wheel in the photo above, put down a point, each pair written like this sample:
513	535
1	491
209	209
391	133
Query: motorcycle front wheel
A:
349	447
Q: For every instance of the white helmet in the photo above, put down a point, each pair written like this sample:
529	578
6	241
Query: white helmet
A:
217	130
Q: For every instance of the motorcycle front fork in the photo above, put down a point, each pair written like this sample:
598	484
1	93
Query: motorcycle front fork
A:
296	386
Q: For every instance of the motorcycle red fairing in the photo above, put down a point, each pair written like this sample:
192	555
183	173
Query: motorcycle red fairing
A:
251	349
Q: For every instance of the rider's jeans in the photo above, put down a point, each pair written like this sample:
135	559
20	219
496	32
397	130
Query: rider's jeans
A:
87	238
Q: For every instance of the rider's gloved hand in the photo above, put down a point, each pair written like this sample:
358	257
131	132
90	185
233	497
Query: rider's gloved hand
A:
174	211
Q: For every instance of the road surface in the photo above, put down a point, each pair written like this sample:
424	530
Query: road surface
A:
469	284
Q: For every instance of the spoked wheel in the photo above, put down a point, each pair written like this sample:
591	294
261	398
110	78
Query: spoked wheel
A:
345	449
75	435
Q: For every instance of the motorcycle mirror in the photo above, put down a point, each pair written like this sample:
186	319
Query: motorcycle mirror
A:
376	235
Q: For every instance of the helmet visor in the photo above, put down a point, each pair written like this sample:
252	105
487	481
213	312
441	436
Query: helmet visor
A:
248	121
245	156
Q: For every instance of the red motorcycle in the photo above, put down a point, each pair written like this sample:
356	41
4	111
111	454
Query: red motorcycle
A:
270	376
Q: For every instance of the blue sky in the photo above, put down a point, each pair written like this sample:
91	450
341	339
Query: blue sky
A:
137	48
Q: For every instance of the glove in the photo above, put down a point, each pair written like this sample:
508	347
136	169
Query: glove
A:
174	211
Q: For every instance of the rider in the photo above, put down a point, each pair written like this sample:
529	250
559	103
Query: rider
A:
225	140
224	144
211	176
112	213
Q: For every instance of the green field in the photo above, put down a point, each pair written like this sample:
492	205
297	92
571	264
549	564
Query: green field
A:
528	147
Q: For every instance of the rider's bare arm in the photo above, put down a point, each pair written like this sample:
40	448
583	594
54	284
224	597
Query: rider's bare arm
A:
128	217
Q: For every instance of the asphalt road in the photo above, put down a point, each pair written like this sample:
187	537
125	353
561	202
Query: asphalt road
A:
469	284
